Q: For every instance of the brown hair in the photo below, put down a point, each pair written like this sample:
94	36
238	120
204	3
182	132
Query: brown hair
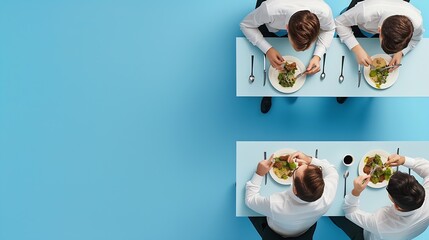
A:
310	187
406	192
303	28
396	32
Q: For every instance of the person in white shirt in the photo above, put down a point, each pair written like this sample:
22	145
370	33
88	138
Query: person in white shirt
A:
407	218
306	21
397	23
291	213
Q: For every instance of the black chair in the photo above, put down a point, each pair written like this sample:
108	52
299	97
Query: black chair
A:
269	234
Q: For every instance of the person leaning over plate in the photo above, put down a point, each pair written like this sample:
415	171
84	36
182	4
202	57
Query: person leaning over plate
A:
305	22
397	23
293	213
407	218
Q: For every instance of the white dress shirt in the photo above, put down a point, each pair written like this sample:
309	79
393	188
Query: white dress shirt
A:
275	14
369	16
388	222
287	214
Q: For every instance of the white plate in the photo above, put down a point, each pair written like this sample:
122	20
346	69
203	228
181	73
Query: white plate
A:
282	152
384	156
390	80
274	73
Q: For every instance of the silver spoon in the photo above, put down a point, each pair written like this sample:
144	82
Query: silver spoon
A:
251	77
323	75
341	78
345	175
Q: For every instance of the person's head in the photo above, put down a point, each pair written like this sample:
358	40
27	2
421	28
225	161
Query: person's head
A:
395	33
303	29
406	193
308	182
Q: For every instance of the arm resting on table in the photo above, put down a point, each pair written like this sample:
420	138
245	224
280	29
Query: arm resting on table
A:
249	27
420	166
345	21
324	40
253	199
361	218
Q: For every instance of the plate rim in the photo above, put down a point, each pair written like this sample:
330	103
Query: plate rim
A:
384	155
281	152
278	87
393	77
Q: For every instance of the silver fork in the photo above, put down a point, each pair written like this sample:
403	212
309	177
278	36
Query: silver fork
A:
372	172
301	74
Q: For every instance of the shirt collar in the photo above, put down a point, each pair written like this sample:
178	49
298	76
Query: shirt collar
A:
295	198
403	214
380	22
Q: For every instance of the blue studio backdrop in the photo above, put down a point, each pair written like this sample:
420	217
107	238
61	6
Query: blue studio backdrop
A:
118	120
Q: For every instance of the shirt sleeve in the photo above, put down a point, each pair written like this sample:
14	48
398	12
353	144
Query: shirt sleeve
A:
327	31
345	21
420	166
249	27
254	200
361	218
330	177
417	36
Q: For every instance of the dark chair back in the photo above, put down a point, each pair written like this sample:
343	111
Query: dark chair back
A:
269	234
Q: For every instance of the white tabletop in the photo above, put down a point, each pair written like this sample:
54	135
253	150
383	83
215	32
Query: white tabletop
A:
250	153
410	83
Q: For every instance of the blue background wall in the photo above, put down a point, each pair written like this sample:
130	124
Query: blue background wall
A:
118	120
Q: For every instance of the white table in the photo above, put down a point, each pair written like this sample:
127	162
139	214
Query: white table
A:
412	80
250	153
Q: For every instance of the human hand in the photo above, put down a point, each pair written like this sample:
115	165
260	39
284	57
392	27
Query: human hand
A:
314	65
360	184
276	60
396	59
395	160
361	56
264	166
300	158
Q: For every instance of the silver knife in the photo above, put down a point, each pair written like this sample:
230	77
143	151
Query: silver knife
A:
265	157
389	67
265	70
359	75
397	152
